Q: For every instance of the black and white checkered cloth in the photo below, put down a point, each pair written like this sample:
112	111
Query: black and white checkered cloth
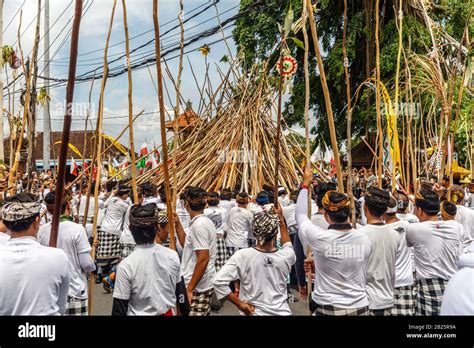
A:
385	312
327	310
76	306
221	254
109	245
429	296
404	301
201	303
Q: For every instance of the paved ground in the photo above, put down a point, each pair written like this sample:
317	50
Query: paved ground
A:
103	304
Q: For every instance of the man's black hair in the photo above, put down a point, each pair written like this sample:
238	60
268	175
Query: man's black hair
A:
148	189
377	201
196	198
110	185
50	198
143	234
341	215
430	202
450	208
162	193
23	224
226	195
213	199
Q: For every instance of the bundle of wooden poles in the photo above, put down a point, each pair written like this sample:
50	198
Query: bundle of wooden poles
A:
231	144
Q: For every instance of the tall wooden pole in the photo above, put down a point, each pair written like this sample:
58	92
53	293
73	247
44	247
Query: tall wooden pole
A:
100	115
46	110
2	153
349	118
130	104
67	124
327	98
161	102
397	108
278	132
377	96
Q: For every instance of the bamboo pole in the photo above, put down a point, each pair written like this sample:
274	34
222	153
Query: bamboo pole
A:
159	76
26	109
397	76
377	95
130	104
278	131
327	98
100	116
349	118
176	112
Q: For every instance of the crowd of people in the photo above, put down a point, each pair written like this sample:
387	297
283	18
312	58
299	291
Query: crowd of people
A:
387	252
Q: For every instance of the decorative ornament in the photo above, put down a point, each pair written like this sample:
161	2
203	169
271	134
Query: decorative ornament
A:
289	66
205	49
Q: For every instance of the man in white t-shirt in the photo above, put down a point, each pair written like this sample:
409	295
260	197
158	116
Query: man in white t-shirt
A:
199	253
458	298
72	238
449	212
385	243
340	255
437	246
404	299
34	279
216	214
147	279
262	270
239	225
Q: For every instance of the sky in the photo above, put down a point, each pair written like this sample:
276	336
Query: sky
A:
93	32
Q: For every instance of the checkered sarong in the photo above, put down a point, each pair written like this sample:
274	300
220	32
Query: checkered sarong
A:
404	301
429	296
201	303
109	246
221	253
126	249
76	306
327	310
385	312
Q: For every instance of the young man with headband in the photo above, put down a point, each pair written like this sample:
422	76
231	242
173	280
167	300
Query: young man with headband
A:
199	253
436	246
239	225
340	255
385	243
37	283
147	280
262	270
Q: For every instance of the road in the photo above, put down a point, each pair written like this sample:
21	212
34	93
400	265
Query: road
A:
102	304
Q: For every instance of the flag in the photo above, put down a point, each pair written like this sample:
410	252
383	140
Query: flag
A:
154	163
142	162
74	167
317	155
143	150
387	154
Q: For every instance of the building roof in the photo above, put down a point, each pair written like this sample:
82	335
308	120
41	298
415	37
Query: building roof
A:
184	120
76	138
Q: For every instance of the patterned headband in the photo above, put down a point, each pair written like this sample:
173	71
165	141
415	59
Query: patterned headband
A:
265	225
12	211
328	205
445	215
162	217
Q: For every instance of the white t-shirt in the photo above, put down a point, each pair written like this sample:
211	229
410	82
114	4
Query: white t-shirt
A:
289	214
437	246
72	238
4	237
338	257
34	279
201	236
262	278
381	267
458	297
114	216
239	227
126	235
183	215
90	210
216	216
227	205
403	258
465	216
148	278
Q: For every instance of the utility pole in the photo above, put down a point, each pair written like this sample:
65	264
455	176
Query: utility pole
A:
46	109
2	154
